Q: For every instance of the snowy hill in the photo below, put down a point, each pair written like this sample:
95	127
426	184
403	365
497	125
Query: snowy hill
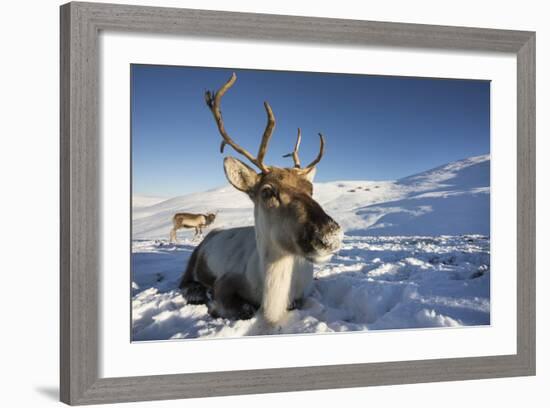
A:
416	253
140	201
450	200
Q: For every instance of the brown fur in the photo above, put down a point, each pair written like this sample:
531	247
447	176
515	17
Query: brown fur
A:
289	205
293	200
291	231
290	180
190	220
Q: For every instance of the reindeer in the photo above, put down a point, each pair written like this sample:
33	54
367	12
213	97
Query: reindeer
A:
268	266
189	220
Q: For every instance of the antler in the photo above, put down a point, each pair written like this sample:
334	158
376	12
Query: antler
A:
320	154
294	153
213	100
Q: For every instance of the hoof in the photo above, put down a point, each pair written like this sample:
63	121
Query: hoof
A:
194	293
296	304
247	312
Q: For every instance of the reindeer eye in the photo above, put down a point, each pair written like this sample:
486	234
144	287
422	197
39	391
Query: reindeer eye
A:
267	192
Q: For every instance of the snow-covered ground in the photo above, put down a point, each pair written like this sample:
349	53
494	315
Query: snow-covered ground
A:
415	254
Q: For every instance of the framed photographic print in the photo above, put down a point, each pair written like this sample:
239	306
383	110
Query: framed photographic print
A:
323	189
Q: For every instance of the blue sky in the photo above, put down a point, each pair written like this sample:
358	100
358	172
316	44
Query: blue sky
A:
376	127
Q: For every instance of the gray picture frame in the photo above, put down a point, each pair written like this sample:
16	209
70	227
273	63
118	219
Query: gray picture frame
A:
80	191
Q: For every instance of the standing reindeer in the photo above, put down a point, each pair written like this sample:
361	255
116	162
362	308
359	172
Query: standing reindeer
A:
189	220
268	265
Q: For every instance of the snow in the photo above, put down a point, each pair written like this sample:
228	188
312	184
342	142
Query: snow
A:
140	201
415	254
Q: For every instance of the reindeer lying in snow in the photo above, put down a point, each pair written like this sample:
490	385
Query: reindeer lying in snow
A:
189	220
268	265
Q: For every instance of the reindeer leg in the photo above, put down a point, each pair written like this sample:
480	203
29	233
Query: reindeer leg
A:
227	302
173	236
195	293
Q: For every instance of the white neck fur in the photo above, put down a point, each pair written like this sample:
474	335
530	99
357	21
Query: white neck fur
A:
278	267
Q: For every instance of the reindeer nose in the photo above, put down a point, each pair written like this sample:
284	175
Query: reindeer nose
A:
330	236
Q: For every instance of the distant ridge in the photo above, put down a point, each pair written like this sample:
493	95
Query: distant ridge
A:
452	199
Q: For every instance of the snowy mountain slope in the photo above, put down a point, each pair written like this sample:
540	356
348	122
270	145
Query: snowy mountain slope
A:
140	201
415	254
233	208
451	199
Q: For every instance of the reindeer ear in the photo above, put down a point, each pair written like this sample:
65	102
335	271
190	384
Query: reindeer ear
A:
309	174
239	174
